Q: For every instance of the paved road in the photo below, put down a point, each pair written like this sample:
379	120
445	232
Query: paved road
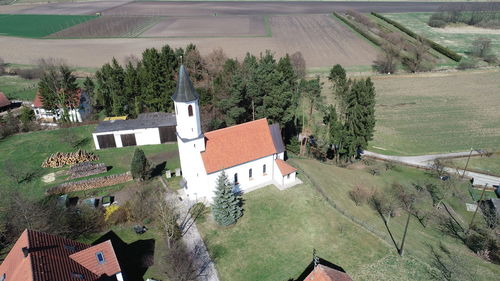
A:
242	8
425	161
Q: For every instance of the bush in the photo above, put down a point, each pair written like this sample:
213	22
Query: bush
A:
140	166
357	29
467	64
28	73
359	194
436	23
117	215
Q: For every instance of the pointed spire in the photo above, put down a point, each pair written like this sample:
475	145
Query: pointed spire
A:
185	91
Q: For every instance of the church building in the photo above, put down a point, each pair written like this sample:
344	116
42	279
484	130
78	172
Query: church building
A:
251	154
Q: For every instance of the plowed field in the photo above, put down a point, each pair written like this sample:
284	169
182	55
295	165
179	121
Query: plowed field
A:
107	26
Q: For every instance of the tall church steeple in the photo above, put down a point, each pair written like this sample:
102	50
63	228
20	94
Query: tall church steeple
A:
187	109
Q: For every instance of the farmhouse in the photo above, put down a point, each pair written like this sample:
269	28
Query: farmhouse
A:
77	110
148	128
4	102
251	154
38	256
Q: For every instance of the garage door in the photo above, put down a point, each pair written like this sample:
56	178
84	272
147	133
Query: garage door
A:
106	141
128	140
167	134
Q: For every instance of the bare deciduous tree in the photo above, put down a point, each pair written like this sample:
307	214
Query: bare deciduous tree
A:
298	64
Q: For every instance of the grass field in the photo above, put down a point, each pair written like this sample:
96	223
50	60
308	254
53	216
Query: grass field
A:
437	112
490	165
28	151
17	88
458	39
37	26
275	237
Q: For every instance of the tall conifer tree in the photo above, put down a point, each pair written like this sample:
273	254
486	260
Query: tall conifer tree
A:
226	207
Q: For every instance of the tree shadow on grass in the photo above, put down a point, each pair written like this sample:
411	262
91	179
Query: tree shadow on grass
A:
158	169
134	258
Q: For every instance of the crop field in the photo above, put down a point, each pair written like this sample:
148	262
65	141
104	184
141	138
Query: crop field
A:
321	39
68	8
37	26
457	38
108	26
437	112
220	26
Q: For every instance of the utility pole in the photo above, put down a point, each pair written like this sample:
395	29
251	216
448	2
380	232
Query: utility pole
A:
477	207
466	164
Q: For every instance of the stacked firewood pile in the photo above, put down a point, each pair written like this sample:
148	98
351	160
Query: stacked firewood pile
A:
60	159
86	169
90	183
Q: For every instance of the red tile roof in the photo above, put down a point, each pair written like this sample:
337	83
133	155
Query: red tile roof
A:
88	259
48	258
4	101
284	167
37	102
236	145
324	273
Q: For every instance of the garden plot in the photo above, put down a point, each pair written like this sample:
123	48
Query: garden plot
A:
107	26
209	26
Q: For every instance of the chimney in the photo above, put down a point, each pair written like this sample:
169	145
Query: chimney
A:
26	251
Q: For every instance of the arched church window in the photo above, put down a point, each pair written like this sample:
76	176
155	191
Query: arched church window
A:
190	110
264	169
235	178
250	173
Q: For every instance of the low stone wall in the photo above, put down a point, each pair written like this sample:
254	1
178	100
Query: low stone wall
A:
90	183
86	169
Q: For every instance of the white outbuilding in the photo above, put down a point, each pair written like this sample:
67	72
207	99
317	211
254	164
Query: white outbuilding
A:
252	154
148	128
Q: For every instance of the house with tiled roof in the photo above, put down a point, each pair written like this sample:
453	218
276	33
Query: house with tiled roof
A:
38	256
78	109
4	102
252	154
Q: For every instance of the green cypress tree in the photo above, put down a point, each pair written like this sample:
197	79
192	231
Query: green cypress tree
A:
140	166
226	207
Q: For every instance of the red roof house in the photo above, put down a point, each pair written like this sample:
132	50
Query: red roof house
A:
38	256
4	101
324	273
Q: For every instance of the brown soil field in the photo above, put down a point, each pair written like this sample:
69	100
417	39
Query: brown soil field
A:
322	41
107	26
221	26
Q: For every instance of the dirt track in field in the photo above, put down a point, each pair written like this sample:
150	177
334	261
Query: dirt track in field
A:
221	26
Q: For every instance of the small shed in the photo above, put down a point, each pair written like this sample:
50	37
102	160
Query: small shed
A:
148	128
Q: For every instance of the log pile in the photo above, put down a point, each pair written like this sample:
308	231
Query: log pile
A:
60	159
90	183
86	169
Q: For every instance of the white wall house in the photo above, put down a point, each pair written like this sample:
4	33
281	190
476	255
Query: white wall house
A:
251	154
148	128
77	112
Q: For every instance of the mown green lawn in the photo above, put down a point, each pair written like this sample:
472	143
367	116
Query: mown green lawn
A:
27	152
460	42
37	26
279	229
17	88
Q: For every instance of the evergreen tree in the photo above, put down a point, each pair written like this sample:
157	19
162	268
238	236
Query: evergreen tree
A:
58	90
226	207
88	87
120	100
140	166
132	90
311	90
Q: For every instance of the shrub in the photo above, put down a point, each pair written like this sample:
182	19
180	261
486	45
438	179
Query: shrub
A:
359	194
118	215
28	73
436	23
110	210
357	29
140	166
467	64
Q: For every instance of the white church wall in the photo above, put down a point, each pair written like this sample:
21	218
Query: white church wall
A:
193	169
289	178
